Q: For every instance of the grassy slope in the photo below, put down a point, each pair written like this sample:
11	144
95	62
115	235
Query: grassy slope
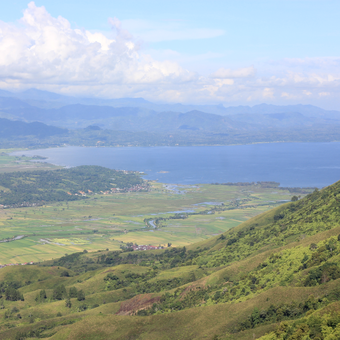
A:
267	263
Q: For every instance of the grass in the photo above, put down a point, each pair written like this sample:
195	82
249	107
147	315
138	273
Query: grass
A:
206	318
105	221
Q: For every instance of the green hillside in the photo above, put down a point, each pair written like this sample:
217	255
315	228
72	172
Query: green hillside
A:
275	276
27	188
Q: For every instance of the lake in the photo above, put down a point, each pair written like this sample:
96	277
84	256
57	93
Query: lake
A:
290	164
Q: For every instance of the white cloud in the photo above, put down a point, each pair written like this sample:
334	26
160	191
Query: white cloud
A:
47	53
46	50
221	82
290	96
268	93
223	73
324	94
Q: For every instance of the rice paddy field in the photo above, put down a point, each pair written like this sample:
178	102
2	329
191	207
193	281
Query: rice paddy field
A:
109	221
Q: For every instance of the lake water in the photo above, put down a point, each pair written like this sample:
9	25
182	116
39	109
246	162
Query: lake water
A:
291	164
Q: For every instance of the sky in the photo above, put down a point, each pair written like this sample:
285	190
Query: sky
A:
241	52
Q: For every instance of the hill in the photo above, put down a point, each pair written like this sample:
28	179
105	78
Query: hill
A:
277	273
10	129
137	122
48	100
38	187
135	119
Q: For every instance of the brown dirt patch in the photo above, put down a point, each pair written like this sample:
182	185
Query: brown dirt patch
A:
137	303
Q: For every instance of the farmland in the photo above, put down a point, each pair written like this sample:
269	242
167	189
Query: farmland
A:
109	221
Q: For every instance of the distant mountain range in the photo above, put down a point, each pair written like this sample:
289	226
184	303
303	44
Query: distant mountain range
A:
137	114
9	129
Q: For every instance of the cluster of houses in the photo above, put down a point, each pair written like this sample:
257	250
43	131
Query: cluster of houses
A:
23	204
134	188
15	264
136	247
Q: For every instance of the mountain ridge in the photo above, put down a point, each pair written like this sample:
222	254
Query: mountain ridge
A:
40	97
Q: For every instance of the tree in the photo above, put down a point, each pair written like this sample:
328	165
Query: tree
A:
255	317
59	293
73	292
64	273
68	303
13	294
41	296
313	246
81	295
294	198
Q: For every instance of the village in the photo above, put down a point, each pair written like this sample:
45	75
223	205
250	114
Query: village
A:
16	264
144	247
134	188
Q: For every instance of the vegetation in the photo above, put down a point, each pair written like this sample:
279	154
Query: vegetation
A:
43	136
38	187
275	276
112	221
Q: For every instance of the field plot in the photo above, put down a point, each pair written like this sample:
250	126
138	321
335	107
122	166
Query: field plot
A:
176	215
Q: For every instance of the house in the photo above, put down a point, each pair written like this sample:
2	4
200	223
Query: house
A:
144	247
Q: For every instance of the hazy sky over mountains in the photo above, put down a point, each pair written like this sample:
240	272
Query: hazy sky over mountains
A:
231	52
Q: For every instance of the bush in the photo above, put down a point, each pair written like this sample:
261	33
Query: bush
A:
14	310
59	293
68	303
41	296
82	307
81	295
73	292
13	294
327	272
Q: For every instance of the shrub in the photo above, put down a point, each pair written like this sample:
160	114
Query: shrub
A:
59	293
73	292
81	295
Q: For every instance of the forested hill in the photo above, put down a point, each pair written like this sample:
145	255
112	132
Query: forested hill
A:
10	128
34	187
278	273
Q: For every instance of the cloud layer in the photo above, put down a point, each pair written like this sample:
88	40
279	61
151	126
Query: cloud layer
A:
46	52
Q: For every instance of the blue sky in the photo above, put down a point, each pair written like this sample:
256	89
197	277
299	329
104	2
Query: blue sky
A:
231	52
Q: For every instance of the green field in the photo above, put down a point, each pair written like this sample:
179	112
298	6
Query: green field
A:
107	221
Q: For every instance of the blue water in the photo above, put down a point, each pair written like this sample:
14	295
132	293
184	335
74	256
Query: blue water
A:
291	164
